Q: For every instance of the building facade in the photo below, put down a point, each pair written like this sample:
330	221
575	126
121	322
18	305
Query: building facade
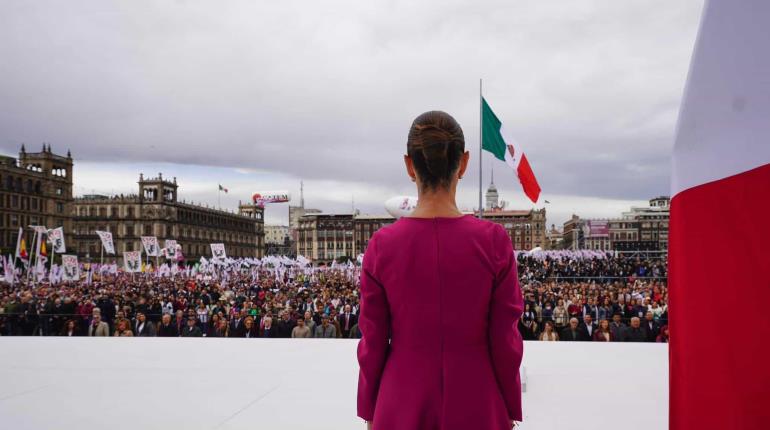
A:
526	228
324	237
156	211
365	225
639	229
276	234
35	189
554	238
651	224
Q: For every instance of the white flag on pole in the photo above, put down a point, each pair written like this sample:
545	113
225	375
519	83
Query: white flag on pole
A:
106	238
218	251
56	239
132	261
170	248
150	244
69	264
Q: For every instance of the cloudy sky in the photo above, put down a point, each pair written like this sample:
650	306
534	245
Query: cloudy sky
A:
260	95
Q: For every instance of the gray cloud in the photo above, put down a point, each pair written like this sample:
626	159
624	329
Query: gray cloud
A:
327	90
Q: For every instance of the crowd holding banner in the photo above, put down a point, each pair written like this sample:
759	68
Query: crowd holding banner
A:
569	296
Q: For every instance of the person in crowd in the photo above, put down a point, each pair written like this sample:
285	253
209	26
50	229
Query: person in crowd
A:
268	331
617	328
347	320
572	332
635	333
285	325
70	328
605	310
527	325
301	330
167	328
590	308
549	334
651	327
179	321
355	332
142	327
334	320
250	329
192	329
213	325
122	328
325	330
202	313
588	327
310	322
97	326
560	315
663	336
603	332
236	326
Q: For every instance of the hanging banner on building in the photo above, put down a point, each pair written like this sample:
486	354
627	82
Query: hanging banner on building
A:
106	238
71	270
596	228
151	247
169	248
56	238
218	251
132	261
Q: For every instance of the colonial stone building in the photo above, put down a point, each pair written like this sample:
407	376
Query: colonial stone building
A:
156	211
526	228
35	189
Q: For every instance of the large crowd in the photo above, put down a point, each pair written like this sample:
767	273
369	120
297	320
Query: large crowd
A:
572	298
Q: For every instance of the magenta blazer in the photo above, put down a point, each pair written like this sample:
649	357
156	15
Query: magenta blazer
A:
440	299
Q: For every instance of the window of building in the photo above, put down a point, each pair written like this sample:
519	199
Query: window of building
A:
59	207
59	191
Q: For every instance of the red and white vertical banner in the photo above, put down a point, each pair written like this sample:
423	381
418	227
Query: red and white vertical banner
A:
719	245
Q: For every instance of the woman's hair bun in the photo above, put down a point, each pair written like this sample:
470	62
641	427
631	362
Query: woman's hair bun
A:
435	144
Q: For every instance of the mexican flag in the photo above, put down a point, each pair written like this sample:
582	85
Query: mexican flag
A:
718	372
507	150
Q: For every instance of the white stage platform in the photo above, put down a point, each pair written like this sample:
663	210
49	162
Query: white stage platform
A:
161	383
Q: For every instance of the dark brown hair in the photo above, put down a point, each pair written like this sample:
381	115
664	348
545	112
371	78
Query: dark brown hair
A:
435	145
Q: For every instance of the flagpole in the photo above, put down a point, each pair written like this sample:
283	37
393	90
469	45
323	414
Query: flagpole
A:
53	256
481	142
29	257
16	257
